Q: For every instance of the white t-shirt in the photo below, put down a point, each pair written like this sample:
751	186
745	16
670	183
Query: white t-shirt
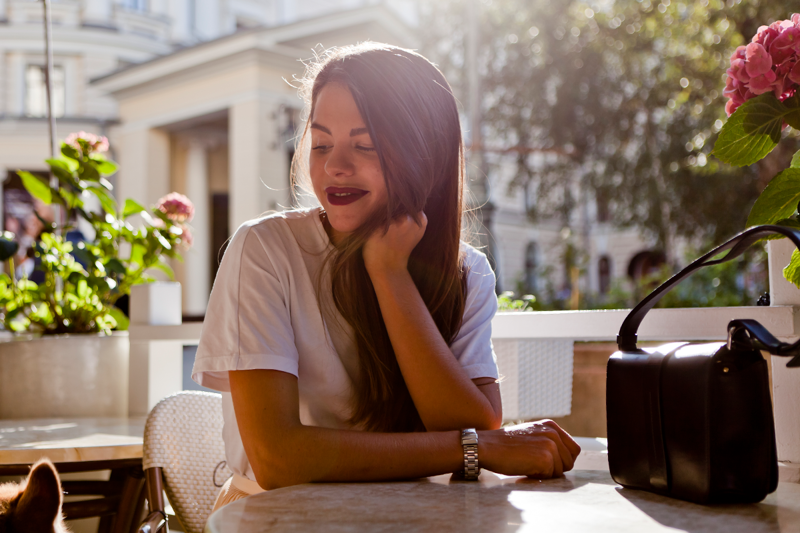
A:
263	313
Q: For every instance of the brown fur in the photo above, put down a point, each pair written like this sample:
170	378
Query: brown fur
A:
33	506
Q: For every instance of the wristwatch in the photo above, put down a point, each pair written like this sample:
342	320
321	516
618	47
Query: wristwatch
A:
469	441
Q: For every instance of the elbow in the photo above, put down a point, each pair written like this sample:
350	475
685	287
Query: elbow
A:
490	417
489	422
276	466
274	474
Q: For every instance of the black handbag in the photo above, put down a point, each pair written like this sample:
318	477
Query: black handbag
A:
694	421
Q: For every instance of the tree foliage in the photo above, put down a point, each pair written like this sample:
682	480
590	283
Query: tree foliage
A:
618	98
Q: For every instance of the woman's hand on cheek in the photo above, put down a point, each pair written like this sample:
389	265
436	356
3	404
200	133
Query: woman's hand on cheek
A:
386	252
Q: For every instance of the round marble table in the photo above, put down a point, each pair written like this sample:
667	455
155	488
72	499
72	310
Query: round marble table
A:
583	500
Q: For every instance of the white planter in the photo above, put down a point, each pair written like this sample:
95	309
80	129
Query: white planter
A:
785	381
781	292
82	375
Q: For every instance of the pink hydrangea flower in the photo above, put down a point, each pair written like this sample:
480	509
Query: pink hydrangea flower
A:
769	63
95	143
177	207
758	61
187	239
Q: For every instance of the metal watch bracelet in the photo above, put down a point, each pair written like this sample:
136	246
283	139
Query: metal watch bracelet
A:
469	442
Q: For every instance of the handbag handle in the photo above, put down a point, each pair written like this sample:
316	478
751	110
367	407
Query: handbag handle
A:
739	330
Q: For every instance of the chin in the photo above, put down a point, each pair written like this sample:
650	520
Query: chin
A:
343	224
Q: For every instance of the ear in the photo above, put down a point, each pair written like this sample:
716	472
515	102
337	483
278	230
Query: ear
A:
40	503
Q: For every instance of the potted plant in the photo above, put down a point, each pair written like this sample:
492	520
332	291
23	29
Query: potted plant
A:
65	360
762	88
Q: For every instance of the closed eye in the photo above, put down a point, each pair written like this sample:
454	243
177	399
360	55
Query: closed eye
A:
365	148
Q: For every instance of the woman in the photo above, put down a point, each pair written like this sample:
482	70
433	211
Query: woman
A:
352	341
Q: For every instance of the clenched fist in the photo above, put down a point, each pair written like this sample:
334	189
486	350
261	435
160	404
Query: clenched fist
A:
386	252
536	449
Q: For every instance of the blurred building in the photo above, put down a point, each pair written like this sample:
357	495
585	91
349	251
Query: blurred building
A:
195	97
554	258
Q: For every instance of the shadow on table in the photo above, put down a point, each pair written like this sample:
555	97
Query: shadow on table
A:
695	518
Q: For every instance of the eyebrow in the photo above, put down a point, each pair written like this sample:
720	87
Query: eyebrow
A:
353	133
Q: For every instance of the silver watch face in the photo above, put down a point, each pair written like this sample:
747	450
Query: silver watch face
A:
469	436
469	439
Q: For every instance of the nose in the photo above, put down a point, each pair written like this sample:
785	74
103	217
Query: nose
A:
339	163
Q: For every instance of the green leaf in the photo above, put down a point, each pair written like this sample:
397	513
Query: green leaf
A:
36	186
796	160
70	151
120	318
114	265
752	131
792	270
165	268
82	288
90	173
131	208
778	200
137	254
793	117
68	165
106	200
84	256
104	166
72	200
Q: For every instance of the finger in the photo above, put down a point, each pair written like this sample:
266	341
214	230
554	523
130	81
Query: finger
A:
555	457
567	460
542	465
573	447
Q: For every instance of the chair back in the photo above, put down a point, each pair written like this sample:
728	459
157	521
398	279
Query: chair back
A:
183	436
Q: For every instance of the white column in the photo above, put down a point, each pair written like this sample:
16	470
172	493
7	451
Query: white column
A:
159	7
207	22
259	169
785	381
179	12
198	270
96	12
15	84
143	156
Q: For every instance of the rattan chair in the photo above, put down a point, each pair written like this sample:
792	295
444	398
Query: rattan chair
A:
184	454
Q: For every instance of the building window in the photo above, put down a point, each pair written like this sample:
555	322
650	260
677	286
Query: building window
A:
36	91
530	267
604	274
135	5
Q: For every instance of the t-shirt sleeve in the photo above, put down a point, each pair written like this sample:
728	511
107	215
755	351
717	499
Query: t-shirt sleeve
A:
473	344
247	324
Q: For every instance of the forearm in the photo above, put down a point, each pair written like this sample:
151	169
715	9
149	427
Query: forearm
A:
443	394
306	454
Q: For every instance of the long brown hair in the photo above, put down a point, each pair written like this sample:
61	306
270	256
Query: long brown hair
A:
411	114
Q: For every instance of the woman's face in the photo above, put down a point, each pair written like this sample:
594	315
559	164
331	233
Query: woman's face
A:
345	170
